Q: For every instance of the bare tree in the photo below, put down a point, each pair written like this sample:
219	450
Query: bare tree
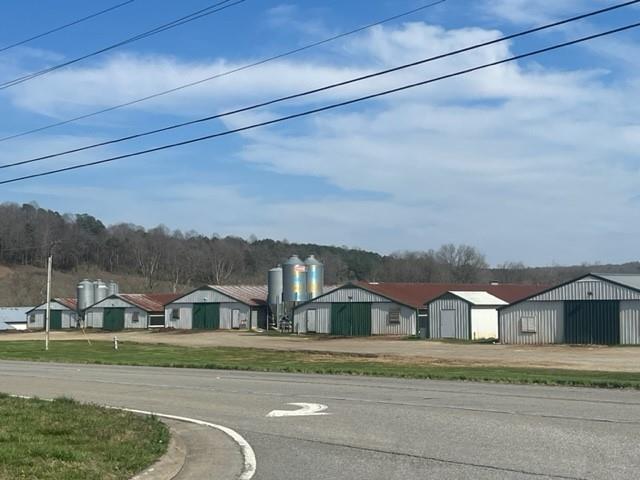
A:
462	263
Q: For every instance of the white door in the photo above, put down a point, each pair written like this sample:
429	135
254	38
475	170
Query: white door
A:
448	324
235	318
311	320
484	323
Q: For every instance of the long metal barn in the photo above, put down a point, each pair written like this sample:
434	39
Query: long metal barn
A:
214	307
591	309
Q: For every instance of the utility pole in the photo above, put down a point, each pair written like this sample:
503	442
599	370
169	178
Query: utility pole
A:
47	319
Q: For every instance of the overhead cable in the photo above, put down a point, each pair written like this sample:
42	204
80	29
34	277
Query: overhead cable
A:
223	5
315	90
62	27
225	73
326	107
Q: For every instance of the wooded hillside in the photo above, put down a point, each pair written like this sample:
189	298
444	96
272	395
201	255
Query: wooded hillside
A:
161	259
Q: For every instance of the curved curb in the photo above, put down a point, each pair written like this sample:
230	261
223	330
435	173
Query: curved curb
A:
250	465
249	455
170	464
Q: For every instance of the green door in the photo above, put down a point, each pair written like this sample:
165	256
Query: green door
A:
206	316
113	319
351	319
56	320
592	322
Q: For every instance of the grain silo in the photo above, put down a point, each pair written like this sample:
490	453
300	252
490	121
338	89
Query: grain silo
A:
274	284
113	288
86	294
294	278
101	290
315	277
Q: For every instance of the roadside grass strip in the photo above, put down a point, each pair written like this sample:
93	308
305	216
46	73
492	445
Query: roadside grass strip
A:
63	439
233	358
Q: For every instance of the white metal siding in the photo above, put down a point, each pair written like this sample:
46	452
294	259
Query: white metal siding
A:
549	319
484	323
588	289
128	318
69	319
380	320
93	318
205	296
461	309
111	303
323	317
185	322
54	306
630	323
226	310
357	295
39	320
68	316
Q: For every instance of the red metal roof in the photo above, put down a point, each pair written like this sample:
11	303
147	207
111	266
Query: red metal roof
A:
69	302
150	302
252	295
418	294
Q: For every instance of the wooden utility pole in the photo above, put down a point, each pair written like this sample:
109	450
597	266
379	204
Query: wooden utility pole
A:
47	318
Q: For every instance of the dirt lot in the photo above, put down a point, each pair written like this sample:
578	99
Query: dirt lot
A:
625	359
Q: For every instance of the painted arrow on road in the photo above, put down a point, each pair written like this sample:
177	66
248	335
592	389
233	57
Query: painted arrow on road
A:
305	410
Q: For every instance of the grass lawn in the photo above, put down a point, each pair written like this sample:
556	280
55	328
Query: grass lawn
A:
301	362
72	441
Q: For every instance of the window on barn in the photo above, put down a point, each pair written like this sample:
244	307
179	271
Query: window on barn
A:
135	317
528	325
175	314
394	315
32	318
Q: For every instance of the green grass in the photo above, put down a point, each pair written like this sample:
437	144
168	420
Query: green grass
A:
72	441
301	362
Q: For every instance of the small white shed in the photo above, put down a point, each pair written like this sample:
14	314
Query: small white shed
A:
465	315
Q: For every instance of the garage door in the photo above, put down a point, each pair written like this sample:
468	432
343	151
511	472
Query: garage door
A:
351	319
448	323
113	319
56	320
592	322
206	316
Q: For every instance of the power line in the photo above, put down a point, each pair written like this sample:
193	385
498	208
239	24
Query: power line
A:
62	27
327	107
226	73
215	8
317	90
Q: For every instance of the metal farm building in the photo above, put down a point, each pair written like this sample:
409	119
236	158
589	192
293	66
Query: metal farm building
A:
63	315
356	309
592	309
14	318
127	311
433	310
464	315
214	307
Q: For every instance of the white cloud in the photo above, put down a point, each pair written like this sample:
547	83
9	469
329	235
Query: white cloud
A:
531	12
525	162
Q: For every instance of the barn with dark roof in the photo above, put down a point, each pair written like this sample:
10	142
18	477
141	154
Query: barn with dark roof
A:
380	308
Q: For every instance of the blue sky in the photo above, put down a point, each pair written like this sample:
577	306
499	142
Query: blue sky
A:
535	161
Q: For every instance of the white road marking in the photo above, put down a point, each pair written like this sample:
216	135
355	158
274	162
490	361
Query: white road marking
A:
305	410
250	462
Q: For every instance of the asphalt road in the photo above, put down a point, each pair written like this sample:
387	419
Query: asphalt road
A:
383	429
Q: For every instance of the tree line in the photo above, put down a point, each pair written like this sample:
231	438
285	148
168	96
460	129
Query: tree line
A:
28	233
